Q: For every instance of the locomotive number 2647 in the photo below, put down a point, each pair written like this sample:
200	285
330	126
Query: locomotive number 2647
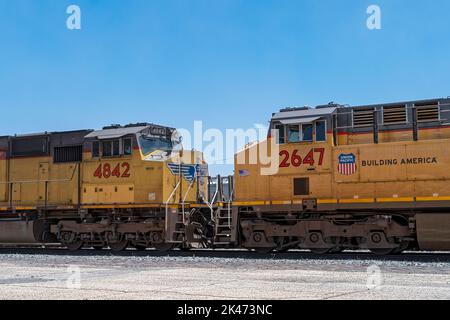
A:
296	160
105	170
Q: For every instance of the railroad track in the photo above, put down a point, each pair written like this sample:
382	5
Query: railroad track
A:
54	249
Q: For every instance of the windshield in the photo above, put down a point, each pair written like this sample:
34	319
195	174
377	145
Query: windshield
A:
151	144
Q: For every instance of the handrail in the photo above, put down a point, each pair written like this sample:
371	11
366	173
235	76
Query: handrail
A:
210	204
167	203
230	200
184	199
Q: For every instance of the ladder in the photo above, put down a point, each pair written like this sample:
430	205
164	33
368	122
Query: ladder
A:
224	234
175	226
176	220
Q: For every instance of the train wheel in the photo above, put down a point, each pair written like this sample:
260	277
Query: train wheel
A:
402	247
118	246
321	250
74	246
263	250
383	252
163	247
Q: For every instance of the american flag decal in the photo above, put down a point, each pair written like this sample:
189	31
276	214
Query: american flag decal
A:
347	164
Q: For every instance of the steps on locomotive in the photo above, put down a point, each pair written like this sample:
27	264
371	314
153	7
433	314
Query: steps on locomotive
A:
176	229
224	226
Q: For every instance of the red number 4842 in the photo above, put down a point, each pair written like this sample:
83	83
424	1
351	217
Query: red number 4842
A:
106	171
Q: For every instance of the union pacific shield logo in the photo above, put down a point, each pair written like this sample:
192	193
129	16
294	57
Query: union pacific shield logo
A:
347	164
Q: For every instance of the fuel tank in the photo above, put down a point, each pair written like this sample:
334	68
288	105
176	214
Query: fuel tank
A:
13	231
433	231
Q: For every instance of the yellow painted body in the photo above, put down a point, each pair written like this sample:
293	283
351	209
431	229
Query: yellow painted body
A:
36	181
3	177
146	182
396	171
28	178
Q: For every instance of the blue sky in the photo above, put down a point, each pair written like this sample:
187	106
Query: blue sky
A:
230	63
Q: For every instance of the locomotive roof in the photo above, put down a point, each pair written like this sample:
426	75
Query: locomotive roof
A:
308	114
115	132
416	102
48	133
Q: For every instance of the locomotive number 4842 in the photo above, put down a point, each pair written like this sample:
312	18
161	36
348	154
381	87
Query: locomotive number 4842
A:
105	170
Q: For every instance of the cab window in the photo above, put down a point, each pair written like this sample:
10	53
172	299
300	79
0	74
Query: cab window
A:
281	134
307	132
96	149
116	148
112	148
107	149
321	131
151	144
127	147
293	133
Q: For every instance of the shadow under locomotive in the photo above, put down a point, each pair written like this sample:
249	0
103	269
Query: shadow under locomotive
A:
410	256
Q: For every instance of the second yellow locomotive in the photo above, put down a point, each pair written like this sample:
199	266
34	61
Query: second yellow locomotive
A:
373	177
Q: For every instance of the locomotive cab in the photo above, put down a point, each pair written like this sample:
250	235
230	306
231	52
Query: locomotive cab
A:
134	165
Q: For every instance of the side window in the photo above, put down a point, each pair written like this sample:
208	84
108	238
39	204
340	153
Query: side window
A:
95	149
127	147
107	149
307	132
281	133
116	148
301	186
293	133
321	134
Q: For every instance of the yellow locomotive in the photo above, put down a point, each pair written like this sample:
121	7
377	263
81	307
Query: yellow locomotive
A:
107	187
370	177
374	177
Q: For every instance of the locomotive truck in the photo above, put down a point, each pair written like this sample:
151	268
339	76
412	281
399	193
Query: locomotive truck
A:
372	177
